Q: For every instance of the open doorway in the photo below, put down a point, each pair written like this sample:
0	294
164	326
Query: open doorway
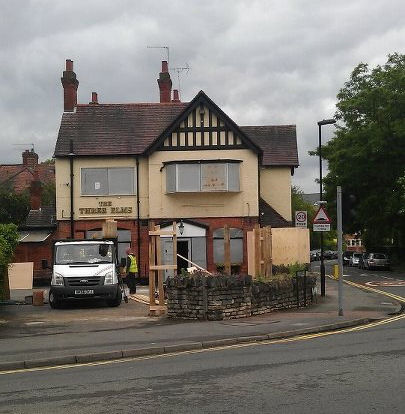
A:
182	249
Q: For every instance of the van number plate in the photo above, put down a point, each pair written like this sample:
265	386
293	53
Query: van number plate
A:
84	292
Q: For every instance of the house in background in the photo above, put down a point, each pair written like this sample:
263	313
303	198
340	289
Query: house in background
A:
18	177
170	160
37	233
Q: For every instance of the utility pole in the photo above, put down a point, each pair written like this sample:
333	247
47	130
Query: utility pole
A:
340	248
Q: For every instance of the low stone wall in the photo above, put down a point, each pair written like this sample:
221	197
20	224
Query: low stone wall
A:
231	297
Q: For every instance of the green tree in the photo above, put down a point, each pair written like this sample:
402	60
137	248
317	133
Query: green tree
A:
8	243
48	194
367	154
13	207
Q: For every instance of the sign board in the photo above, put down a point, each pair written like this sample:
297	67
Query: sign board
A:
301	219
321	220
321	227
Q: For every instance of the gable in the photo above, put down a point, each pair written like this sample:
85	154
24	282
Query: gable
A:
202	126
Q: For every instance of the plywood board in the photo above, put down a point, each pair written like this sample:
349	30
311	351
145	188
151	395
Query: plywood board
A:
290	245
20	275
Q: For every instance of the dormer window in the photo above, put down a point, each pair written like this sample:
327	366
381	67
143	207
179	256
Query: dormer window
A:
202	176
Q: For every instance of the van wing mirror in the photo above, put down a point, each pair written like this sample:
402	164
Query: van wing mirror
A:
44	264
123	261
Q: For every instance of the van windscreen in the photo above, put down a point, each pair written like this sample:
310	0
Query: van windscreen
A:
83	253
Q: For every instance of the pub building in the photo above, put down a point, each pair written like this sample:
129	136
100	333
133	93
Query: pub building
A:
169	161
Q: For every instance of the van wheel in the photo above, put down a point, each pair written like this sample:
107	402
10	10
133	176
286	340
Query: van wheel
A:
117	301
54	302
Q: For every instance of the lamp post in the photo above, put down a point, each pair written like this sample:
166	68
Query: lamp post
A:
320	123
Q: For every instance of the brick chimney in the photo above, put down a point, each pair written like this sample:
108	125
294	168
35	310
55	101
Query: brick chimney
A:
70	84
176	97
94	98
30	159
165	83
35	192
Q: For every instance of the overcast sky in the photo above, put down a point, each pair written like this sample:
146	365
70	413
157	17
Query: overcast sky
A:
263	62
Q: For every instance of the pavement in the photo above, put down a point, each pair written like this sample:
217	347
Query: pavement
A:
37	336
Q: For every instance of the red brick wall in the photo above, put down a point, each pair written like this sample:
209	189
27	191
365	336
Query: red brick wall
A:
244	223
35	252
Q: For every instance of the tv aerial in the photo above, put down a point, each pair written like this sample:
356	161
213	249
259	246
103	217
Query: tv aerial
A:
26	144
180	71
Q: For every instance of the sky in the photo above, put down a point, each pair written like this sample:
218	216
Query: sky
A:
271	62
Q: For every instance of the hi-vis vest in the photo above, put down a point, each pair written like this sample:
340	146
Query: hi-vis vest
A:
133	267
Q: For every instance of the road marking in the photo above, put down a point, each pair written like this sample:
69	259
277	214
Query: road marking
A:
220	348
381	292
383	283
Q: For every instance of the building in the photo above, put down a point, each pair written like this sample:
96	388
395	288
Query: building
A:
165	161
18	177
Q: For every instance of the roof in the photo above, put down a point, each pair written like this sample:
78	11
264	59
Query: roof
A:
19	176
278	143
114	129
45	217
136	128
270	217
34	236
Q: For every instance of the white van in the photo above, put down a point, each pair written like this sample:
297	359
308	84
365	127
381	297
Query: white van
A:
84	269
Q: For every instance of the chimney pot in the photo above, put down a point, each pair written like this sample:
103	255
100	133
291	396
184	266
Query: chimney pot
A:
165	84
94	98
69	65
30	159
176	97
70	85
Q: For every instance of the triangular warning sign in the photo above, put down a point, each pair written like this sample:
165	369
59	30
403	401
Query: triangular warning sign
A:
321	217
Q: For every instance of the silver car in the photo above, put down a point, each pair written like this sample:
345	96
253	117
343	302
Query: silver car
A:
377	261
354	259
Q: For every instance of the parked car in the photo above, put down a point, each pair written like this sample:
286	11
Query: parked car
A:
377	260
362	260
346	258
354	259
314	255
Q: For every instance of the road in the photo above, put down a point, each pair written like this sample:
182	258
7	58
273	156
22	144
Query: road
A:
360	371
385	280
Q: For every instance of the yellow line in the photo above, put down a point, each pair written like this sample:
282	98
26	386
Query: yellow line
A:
220	348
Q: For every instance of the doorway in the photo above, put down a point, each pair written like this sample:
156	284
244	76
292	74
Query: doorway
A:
182	249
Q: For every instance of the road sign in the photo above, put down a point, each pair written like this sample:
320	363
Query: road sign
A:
321	227
321	220
301	219
321	217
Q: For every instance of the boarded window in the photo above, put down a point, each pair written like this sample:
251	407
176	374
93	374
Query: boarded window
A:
236	245
106	181
202	176
188	177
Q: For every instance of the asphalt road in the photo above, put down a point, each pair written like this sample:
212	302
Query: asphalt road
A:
361	371
386	280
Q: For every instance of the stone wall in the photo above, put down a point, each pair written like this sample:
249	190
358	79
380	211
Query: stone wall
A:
232	297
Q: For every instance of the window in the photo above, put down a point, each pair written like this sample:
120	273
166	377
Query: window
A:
202	177
108	181
124	240
236	245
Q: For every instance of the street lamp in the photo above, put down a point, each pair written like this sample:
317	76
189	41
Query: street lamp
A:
320	123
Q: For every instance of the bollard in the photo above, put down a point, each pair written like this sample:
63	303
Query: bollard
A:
38	297
336	272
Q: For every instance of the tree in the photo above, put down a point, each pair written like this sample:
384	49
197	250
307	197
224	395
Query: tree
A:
367	154
8	243
48	194
13	207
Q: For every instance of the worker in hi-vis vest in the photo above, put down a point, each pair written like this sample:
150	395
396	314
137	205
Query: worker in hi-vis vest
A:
132	271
